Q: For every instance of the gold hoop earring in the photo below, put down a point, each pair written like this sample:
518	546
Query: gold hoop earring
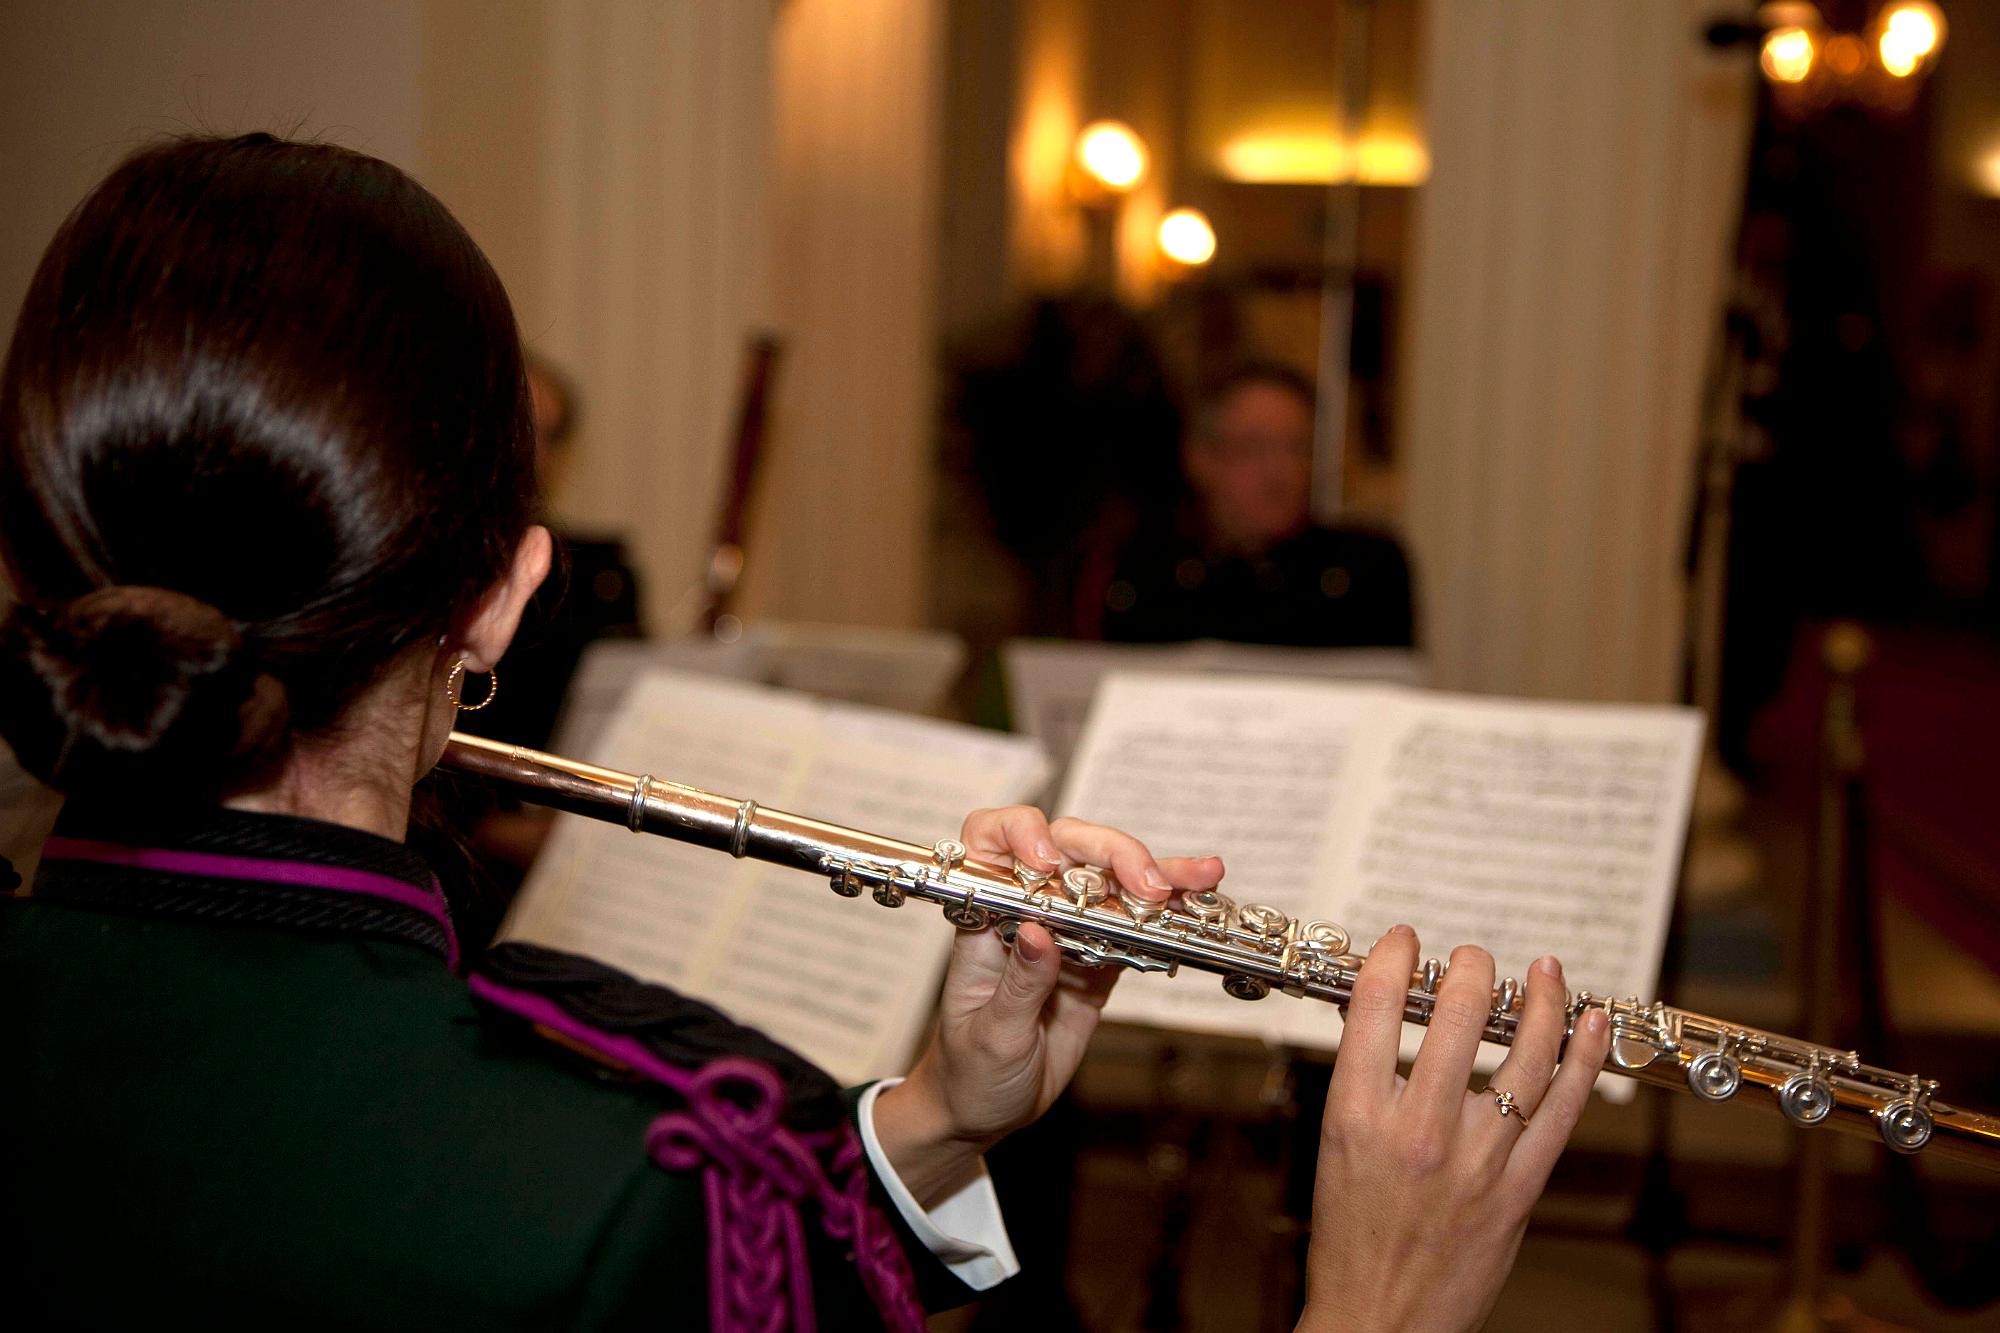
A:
492	688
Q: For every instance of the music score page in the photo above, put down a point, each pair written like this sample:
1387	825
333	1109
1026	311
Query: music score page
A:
1524	827
846	982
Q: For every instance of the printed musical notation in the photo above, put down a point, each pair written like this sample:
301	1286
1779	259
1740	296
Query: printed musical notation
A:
848	984
1193	767
1051	683
1528	829
1524	827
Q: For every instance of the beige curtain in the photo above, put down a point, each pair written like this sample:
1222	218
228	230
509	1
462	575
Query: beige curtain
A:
659	181
1569	252
649	274
843	512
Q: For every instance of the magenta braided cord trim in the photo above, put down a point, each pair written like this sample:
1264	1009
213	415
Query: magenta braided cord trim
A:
757	1173
878	1253
731	1120
718	1253
804	1318
766	1286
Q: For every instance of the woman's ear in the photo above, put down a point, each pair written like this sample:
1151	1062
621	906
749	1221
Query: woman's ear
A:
498	614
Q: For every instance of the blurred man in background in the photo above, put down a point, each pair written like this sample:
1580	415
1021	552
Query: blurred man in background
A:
1240	558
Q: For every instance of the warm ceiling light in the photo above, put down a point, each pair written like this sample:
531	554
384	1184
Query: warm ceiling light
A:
1284	159
1186	238
1788	55
1381	159
1322	159
1111	155
1909	33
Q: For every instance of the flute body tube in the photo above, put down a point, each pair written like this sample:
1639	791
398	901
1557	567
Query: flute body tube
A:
1254	949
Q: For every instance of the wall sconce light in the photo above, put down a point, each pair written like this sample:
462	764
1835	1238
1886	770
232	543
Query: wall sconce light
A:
1186	238
1109	160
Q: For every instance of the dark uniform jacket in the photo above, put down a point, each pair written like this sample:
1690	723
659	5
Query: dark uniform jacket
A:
1323	588
267	1101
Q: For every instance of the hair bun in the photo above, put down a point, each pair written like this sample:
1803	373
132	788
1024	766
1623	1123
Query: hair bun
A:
137	684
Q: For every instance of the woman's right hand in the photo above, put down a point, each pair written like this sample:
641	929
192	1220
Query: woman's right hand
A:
1424	1188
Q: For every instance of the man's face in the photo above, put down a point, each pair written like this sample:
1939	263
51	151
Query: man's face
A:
1253	472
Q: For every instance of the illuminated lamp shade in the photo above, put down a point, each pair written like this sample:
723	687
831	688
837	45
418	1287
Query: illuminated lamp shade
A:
1986	174
1908	34
1111	155
1186	238
1788	55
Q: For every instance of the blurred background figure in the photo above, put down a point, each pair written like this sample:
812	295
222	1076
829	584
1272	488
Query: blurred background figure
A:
1074	388
1238	556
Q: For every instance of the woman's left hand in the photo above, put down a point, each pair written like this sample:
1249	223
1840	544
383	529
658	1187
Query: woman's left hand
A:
1013	1023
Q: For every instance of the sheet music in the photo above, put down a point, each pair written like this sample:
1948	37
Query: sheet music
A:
847	983
1050	682
1526	828
910	670
1248	769
609	667
907	670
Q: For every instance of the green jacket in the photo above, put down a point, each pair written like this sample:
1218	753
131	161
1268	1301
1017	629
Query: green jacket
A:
308	1124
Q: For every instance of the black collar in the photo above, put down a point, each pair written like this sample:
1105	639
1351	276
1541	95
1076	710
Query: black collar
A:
233	866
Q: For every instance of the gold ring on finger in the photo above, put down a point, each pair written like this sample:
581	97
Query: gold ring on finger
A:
1505	1102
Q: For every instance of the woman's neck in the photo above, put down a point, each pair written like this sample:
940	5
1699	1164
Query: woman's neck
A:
369	806
361	771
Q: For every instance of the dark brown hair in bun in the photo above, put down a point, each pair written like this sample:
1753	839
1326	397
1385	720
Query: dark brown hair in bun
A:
263	428
138	678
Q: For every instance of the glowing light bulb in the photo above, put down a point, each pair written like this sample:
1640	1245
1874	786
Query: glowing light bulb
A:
1112	155
1910	32
1788	55
1186	238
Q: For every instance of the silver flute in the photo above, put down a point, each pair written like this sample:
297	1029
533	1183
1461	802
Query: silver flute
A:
1255	949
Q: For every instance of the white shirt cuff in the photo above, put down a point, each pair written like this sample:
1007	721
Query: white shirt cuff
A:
965	1231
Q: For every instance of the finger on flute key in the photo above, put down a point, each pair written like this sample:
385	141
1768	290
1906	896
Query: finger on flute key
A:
1542	1142
1463	1003
1126	856
1372	1032
1017	831
1531	1057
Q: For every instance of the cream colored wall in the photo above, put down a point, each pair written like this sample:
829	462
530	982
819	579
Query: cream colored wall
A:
1568	250
83	83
